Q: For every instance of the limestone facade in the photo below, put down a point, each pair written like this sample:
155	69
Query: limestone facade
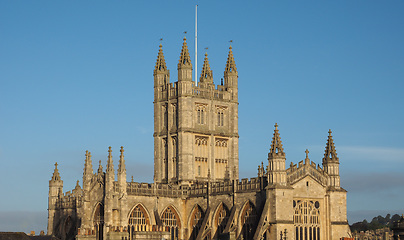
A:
197	193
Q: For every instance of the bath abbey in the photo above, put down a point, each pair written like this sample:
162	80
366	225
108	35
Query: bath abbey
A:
197	193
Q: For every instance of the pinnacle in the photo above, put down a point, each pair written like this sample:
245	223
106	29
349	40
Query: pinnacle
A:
110	165
88	166
230	65
121	167
185	59
206	74
56	175
276	145
160	63
330	154
99	167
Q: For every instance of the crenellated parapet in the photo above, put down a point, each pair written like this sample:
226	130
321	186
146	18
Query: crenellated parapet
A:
301	170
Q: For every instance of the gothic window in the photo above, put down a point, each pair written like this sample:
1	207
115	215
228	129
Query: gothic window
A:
201	153
98	221
174	158
165	115
165	156
201	114
221	157
306	219
221	218
248	221
196	221
174	108
220	117
171	221
138	220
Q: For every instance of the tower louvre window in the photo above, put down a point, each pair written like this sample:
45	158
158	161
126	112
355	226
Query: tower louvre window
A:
201	114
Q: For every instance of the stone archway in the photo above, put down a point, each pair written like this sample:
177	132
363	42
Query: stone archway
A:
171	221
248	221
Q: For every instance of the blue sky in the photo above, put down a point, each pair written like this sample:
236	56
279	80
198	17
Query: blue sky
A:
77	75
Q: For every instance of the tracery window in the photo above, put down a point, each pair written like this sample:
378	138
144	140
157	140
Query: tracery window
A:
98	221
201	114
201	156
248	221
196	221
221	157
220	117
174	114
306	219
222	216
171	221
138	218
165	115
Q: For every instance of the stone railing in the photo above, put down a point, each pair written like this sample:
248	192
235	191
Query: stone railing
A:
70	201
252	184
197	189
211	93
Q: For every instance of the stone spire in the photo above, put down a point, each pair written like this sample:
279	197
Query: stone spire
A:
88	165
110	164
231	64
185	59
276	161
276	145
121	167
56	175
330	155
160	63
206	74
185	67
331	163
231	76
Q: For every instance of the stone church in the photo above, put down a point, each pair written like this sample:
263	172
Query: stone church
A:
197	193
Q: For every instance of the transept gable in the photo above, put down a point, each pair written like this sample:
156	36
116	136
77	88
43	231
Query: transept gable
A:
296	172
308	187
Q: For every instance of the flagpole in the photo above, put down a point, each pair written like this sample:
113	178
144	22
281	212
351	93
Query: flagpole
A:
196	45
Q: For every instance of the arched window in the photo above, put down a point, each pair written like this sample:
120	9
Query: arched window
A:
306	219
98	221
197	216
138	219
221	218
248	221
171	221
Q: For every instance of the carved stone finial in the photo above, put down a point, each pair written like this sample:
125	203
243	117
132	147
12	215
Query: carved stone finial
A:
132	178
307	153
56	175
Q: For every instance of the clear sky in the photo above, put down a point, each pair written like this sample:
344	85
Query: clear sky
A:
77	75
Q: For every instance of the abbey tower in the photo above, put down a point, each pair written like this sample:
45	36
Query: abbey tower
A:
195	127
